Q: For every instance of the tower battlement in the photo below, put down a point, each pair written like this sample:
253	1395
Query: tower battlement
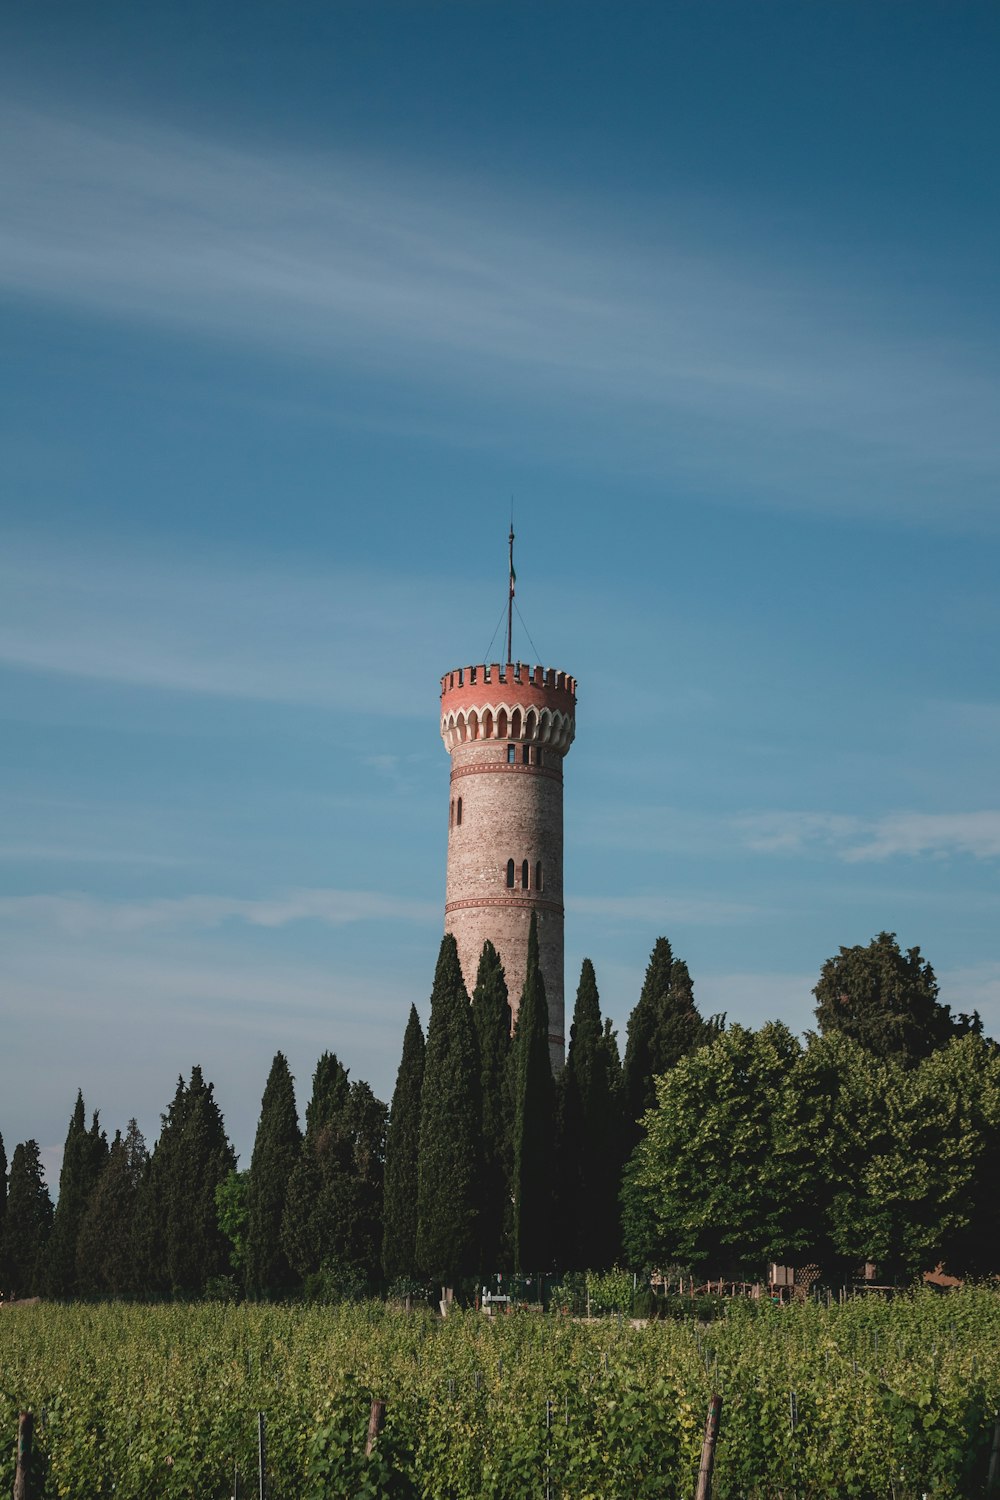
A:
508	702
516	677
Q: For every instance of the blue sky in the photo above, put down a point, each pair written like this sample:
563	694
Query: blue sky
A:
294	300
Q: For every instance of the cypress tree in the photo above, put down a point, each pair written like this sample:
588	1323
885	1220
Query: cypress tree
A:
178	1230
491	1016
105	1246
149	1227
84	1158
589	1131
368	1120
28	1221
449	1161
534	1120
3	1210
323	1165
332	1220
402	1147
197	1249
276	1150
664	1027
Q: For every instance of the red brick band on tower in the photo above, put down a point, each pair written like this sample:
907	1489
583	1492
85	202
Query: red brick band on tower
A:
507	729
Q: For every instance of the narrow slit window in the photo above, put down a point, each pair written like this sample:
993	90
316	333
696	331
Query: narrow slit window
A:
458	812
524	875
538	876
510	874
526	754
511	754
538	756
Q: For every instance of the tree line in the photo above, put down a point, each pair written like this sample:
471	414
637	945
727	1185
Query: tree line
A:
706	1146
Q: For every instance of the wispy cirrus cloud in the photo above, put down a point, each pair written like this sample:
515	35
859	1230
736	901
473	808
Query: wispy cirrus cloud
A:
170	1004
663	909
372	266
219	629
856	839
80	915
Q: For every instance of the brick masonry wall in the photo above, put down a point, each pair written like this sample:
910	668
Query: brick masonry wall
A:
508	812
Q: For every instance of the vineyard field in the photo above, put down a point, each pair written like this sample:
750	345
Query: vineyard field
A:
870	1399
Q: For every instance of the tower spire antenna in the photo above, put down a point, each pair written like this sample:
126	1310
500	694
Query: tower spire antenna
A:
510	593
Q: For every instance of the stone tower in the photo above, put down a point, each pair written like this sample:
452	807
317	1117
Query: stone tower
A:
507	729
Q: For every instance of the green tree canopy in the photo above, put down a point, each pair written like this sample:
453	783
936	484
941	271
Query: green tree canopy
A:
714	1183
27	1223
402	1150
763	1149
923	1185
276	1150
887	1001
534	1121
450	1161
232	1206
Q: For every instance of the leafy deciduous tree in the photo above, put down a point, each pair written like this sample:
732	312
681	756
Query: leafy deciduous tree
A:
710	1184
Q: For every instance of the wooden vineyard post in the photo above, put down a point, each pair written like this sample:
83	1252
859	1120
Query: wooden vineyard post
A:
994	1470
376	1422
704	1490
22	1474
261	1457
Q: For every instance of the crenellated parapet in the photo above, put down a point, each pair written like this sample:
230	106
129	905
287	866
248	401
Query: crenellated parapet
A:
511	702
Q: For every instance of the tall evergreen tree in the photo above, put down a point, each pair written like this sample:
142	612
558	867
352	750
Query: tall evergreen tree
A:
323	1166
105	1245
664	1027
534	1120
491	1017
179	1229
332	1219
3	1209
402	1148
887	1001
84	1157
450	1157
28	1221
276	1150
589	1130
